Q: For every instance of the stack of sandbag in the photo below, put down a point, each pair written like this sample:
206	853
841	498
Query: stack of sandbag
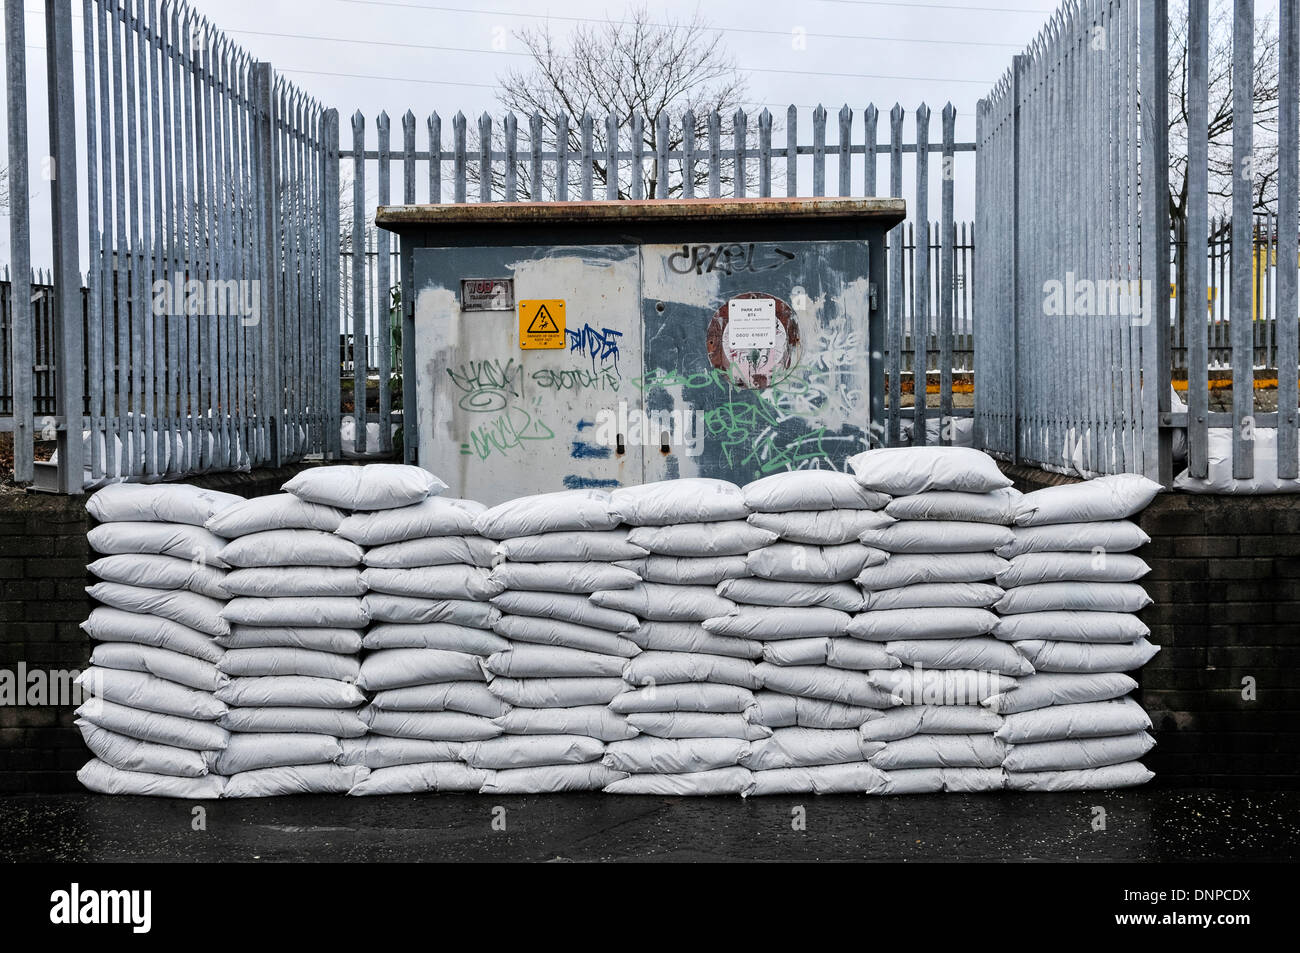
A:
929	606
297	614
559	658
1071	593
153	719
427	575
686	693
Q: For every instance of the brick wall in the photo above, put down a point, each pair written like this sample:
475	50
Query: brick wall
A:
1225	577
43	558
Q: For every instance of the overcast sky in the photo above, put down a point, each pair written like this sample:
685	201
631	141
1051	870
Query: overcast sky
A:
423	55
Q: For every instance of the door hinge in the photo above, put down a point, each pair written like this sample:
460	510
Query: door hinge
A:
875	298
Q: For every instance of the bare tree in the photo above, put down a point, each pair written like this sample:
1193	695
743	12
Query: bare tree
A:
623	68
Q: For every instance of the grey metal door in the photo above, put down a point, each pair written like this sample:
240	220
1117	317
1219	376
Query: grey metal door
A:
756	357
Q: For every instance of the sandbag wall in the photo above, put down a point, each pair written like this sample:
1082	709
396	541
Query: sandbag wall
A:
914	626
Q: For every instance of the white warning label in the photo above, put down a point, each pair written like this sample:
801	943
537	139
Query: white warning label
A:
751	323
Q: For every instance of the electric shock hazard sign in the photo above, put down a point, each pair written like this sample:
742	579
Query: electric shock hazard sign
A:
541	323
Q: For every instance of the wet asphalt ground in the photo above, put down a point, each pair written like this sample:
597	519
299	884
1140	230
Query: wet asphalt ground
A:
1139	825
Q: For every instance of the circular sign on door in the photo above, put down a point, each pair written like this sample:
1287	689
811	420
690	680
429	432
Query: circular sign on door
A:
754	337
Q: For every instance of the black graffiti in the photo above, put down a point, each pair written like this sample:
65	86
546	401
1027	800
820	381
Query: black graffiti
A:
726	259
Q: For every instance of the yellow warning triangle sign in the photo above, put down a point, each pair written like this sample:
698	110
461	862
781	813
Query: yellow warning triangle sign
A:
543	323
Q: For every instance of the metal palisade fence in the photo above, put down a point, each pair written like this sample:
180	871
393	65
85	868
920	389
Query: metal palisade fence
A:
204	338
564	158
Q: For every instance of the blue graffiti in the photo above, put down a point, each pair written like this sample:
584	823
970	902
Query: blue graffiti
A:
600	344
584	424
587	483
589	451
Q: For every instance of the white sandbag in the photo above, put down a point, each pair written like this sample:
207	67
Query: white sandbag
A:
898	723
1082	658
940	751
472	698
531	629
420	778
175	667
158	503
579	577
775	592
193	543
859	778
567	511
937	536
1074	597
1120	716
282	660
687	500
986	654
116	625
556	692
434	635
806	747
302	612
828	684
1109	536
798	562
382	607
683	696
594	721
821	527
1219	479
849	653
778	710
141	725
252	751
565	607
692	637
1032	568
1075	754
289	691
599	546
912	569
337	641
291	547
720	781
1097	627
188	608
1113	497
996	506
810	490
530	752
647	755
892	625
291	581
103	778
161	572
430	725
727	538
131	754
277	511
552	661
1044	689
687	570
665	603
551	779
295	779
467	583
918	686
147	692
667	668
432	551
398	668
313	721
695	724
940	780
1092	779
928	595
375	486
432	517
792	623
376	751
904	471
